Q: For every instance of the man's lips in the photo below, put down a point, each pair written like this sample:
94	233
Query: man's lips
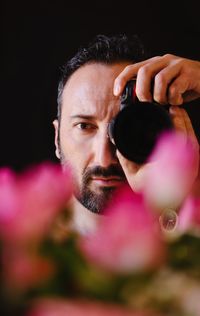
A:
108	181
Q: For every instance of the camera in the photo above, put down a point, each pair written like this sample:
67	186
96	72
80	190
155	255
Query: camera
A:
135	129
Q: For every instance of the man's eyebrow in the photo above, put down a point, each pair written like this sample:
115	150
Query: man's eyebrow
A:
83	116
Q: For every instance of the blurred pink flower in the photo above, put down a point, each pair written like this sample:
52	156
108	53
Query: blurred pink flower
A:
30	201
128	238
173	168
9	199
59	307
189	215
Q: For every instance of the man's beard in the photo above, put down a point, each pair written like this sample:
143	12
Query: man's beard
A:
97	201
90	199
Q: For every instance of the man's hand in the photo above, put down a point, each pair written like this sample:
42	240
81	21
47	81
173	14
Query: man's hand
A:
176	79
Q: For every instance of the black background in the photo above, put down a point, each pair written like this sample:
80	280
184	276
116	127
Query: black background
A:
39	36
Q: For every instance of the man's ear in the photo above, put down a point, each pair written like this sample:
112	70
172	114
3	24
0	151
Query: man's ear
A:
56	138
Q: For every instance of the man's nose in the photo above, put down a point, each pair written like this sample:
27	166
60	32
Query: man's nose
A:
105	151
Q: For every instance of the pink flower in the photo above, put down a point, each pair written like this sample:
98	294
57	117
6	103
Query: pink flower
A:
8	195
128	239
172	170
189	215
30	201
59	307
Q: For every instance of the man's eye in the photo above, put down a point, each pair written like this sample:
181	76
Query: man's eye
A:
85	126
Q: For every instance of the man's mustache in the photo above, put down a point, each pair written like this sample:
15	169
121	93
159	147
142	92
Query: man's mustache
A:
111	171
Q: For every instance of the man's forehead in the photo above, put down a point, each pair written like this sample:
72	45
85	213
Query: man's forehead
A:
94	78
90	88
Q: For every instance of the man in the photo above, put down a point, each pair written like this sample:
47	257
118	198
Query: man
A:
89	97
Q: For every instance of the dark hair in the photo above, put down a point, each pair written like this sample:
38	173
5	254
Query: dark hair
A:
103	49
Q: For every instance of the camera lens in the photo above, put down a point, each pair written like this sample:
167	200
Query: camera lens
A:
136	128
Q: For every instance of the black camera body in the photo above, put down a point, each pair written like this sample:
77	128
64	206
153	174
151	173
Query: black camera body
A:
135	129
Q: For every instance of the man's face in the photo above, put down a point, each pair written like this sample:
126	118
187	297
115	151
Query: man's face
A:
88	105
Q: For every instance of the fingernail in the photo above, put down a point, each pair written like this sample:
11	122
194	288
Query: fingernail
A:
116	90
173	109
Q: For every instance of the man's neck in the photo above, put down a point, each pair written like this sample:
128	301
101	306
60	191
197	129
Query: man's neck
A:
83	220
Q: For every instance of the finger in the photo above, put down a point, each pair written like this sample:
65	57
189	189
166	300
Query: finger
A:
144	78
128	73
162	81
193	139
189	128
188	124
178	119
176	90
183	124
